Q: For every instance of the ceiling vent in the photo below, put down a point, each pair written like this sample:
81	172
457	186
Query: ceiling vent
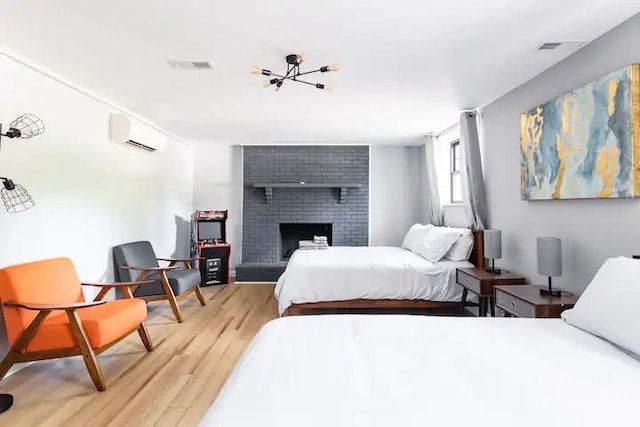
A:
191	64
550	46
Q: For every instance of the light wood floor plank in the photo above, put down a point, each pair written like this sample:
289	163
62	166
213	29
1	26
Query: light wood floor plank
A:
173	385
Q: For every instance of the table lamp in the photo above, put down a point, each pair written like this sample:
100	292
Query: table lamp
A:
492	249
550	262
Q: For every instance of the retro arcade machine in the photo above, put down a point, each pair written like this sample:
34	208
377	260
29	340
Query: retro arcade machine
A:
209	242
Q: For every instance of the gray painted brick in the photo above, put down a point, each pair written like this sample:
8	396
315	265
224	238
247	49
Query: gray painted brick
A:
261	233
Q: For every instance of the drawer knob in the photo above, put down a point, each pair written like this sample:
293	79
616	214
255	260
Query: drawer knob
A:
513	304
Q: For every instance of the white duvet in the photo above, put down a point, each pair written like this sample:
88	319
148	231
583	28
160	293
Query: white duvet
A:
346	273
375	371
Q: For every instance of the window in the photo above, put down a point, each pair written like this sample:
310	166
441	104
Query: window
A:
456	173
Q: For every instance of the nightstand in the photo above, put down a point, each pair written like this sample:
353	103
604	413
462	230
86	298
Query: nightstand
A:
526	301
481	283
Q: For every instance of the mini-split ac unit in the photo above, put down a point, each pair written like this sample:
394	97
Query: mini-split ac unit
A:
125	130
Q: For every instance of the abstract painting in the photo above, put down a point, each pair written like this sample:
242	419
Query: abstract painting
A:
585	144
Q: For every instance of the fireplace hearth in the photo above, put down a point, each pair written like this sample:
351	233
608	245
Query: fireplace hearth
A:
344	220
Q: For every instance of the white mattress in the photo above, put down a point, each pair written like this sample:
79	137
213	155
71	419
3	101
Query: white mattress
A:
374	371
343	273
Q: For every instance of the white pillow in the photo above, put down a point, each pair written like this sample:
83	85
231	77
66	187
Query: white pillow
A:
413	239
461	249
437	242
610	306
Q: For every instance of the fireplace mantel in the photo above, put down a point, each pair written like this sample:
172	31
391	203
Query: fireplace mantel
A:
268	187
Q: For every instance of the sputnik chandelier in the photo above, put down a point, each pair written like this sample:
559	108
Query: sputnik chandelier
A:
293	73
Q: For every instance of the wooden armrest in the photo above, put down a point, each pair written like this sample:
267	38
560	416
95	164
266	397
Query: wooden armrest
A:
129	267
49	307
118	284
180	259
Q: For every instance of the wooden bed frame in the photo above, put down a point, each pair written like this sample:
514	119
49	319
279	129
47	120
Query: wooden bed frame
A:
383	305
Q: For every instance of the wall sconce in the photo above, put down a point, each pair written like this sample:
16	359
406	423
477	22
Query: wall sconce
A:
14	196
24	127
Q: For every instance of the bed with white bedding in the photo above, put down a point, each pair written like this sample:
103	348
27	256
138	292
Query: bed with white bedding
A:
369	273
374	371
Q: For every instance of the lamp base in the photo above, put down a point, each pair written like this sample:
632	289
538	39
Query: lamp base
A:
6	400
494	270
551	292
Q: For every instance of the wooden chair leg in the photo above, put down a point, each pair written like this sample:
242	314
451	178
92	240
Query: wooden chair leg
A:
200	296
88	355
6	364
22	342
170	296
144	336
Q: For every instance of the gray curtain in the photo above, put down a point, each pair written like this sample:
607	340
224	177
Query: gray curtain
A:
434	212
474	190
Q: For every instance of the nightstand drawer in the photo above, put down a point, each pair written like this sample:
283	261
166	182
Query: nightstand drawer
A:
467	281
513	305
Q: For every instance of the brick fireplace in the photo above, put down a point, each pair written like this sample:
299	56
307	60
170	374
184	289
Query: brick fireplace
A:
323	185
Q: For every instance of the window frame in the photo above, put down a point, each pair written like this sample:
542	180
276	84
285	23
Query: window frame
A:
455	169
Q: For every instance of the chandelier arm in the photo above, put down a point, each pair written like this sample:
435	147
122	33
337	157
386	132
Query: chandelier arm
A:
308	72
302	81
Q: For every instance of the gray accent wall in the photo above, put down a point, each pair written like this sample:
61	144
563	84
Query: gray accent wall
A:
311	164
591	230
398	196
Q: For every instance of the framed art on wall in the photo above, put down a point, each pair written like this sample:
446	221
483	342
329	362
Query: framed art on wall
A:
585	144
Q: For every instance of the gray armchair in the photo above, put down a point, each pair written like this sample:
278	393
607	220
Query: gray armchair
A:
137	261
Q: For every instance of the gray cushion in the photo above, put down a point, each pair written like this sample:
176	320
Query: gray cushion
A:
141	254
180	280
135	254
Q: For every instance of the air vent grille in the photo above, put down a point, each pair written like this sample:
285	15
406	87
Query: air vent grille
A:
139	145
190	64
550	46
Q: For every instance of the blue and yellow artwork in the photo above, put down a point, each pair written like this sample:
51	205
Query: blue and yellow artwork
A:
585	144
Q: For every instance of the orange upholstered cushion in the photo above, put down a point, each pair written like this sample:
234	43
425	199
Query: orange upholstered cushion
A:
52	281
103	323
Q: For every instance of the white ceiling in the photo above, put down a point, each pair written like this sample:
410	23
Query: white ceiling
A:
408	66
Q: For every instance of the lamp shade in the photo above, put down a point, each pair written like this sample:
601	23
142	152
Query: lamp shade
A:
493	244
549	256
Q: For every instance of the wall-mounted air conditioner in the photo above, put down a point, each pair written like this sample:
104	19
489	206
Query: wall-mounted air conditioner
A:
125	130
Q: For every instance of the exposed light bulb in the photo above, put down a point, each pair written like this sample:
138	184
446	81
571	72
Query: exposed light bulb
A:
268	83
255	70
334	66
301	57
324	87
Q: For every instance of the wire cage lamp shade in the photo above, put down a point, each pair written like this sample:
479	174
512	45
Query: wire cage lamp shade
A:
25	126
15	197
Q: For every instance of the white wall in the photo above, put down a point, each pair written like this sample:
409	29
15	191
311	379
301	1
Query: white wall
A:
591	230
218	184
396	193
90	194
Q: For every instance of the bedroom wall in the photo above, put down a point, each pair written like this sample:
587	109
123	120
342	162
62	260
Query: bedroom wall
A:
591	230
397	199
90	194
218	185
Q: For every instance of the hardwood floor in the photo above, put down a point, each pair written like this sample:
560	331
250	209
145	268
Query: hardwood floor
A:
172	386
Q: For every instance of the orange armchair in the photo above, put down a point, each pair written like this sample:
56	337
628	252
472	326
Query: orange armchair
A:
46	316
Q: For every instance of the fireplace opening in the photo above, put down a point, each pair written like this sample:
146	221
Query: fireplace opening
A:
292	234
